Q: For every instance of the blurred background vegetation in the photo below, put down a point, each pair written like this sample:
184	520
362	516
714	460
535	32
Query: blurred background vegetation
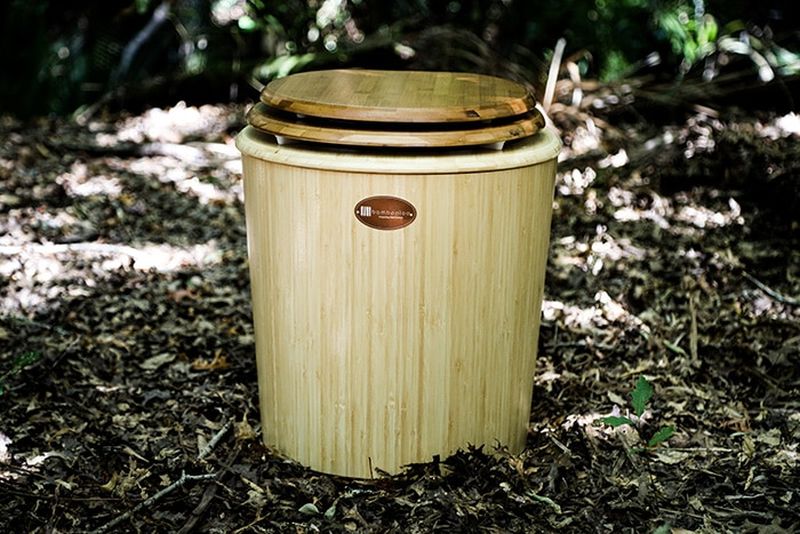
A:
70	57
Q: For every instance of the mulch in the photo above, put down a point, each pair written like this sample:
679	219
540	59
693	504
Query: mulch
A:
127	366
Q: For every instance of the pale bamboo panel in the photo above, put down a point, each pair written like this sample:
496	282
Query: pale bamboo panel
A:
543	146
380	348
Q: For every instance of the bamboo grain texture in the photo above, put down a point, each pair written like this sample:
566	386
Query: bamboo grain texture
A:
542	146
375	348
393	134
398	96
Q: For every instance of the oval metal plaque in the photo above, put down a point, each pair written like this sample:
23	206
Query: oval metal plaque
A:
385	213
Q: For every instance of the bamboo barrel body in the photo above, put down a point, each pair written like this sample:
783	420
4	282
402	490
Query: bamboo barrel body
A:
380	348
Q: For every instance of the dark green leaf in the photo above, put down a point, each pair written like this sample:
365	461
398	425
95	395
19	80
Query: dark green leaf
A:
661	436
25	360
142	6
615	421
247	24
641	395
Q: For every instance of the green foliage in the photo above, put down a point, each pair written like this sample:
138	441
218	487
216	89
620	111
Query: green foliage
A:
663	434
641	396
695	36
142	6
692	37
69	54
17	366
615	421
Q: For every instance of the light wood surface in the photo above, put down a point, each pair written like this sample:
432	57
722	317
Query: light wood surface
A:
393	134
542	146
380	348
398	96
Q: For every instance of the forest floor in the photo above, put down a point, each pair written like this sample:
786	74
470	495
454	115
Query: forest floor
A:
127	362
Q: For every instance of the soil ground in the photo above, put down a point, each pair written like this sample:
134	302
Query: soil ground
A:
127	363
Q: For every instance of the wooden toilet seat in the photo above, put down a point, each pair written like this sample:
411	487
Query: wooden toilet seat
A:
401	109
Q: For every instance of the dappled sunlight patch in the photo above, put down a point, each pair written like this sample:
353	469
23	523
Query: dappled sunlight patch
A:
181	145
593	256
234	166
40	273
664	213
588	420
31	224
696	136
32	464
5	456
169	170
585	138
14	229
588	423
575	182
172	125
606	312
702	217
666	137
78	182
620	159
658	210
164	168
780	127
546	376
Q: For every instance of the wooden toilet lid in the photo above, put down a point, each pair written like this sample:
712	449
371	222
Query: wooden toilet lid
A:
396	108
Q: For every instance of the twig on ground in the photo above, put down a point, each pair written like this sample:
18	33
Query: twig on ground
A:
152	500
771	292
249	526
561	446
209	494
197	513
695	360
205	451
63	352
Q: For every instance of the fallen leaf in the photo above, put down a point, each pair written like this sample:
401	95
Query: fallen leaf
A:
181	294
748	447
219	362
9	200
202	442
127	450
671	457
696	503
153	363
309	509
111	484
255	499
771	437
616	399
64	484
244	431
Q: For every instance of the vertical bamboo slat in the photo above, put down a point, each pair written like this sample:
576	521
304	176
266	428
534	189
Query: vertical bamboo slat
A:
379	348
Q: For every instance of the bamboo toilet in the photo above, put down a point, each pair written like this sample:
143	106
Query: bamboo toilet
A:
397	227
